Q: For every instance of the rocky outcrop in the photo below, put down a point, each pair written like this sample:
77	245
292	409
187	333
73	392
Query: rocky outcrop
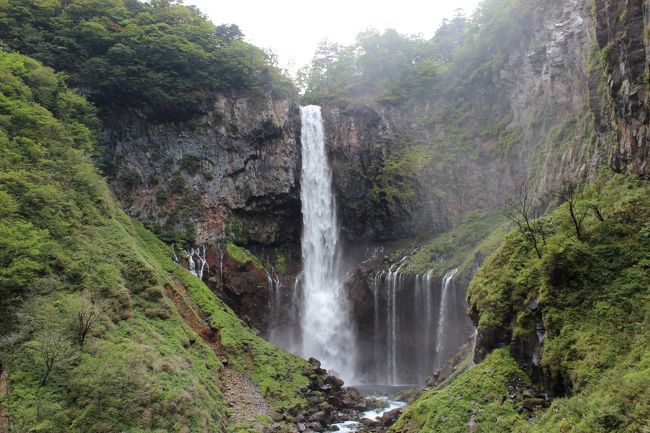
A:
329	402
568	99
623	38
360	139
615	89
232	173
547	96
229	176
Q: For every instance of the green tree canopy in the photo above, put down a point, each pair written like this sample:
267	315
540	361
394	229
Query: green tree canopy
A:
161	57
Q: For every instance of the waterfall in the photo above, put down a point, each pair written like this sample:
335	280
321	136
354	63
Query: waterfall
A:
442	315
428	311
394	283
197	255
377	351
418	322
423	308
275	303
325	319
284	319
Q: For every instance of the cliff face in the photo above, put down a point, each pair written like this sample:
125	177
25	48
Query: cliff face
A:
623	36
232	173
404	173
361	138
228	177
567	100
571	99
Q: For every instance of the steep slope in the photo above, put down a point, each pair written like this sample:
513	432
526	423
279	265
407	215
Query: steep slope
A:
102	331
515	93
199	132
523	97
575	321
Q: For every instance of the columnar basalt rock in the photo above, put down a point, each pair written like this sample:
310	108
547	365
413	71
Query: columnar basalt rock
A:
232	173
623	38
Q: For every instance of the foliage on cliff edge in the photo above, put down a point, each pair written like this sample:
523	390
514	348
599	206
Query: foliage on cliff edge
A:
162	58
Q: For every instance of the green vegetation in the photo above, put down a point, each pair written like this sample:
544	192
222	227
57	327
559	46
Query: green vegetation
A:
399	69
592	285
478	233
161	57
98	324
480	394
242	255
191	164
451	85
397	179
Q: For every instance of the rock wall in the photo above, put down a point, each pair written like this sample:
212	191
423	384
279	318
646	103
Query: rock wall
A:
575	91
360	138
549	79
229	176
569	99
622	32
232	173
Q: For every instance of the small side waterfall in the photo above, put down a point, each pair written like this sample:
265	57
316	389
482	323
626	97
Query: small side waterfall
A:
394	280
285	303
327	329
418	322
197	261
423	308
443	312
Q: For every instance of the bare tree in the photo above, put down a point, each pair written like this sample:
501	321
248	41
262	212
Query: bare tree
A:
519	210
52	348
87	312
569	195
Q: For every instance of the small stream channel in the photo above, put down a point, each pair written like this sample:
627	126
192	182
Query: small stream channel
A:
385	396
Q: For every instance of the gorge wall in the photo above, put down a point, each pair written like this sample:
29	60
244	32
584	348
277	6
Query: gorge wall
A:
622	32
226	179
560	105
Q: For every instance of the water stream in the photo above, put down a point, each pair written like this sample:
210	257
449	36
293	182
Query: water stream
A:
327	333
407	326
417	323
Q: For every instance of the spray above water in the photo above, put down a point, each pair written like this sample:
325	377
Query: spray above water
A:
325	318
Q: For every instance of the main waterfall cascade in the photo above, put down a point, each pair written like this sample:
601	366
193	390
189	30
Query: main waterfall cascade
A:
327	333
413	324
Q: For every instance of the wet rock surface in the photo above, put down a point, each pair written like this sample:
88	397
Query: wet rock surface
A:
328	402
232	172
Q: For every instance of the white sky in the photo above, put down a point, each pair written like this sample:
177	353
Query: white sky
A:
293	28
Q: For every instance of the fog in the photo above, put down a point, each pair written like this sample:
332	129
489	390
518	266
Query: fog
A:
292	29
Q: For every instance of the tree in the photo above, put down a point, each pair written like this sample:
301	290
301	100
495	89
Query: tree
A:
229	32
569	195
520	211
86	312
51	347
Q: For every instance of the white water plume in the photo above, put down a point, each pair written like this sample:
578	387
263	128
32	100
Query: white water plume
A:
327	331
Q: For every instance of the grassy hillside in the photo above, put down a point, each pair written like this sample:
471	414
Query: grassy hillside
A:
593	296
101	330
475	395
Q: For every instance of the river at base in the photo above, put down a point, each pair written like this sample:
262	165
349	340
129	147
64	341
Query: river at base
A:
382	393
